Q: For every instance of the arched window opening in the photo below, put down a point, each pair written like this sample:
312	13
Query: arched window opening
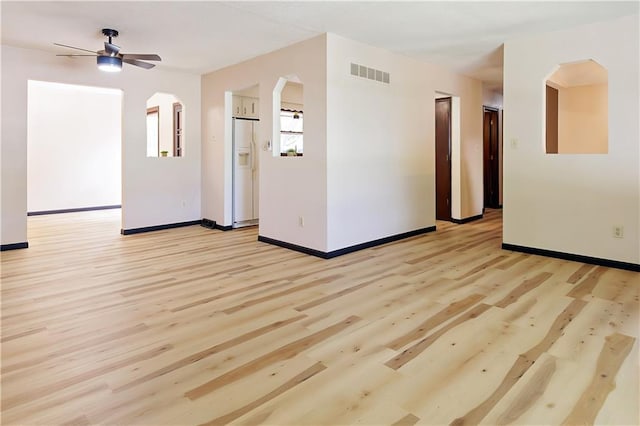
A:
165	126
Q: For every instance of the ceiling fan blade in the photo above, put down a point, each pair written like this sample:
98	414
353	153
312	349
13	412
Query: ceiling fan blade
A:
146	57
77	48
111	49
73	56
137	63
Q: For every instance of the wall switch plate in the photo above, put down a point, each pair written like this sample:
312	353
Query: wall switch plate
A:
514	143
618	231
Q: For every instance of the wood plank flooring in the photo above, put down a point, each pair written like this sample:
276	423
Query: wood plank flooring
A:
195	326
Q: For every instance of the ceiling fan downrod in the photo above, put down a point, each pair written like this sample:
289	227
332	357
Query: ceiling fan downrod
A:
109	33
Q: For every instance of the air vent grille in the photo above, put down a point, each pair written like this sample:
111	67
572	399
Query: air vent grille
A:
358	70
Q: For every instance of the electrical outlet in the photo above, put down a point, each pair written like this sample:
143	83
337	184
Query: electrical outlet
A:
301	221
618	231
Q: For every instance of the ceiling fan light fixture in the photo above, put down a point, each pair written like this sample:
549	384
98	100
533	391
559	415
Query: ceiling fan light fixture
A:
109	63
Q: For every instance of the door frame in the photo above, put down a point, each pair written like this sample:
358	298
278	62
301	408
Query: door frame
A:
491	159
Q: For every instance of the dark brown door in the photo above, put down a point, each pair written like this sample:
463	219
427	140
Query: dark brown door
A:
177	129
491	158
443	159
552	120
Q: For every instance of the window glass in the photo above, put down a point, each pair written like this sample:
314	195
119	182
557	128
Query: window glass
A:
291	132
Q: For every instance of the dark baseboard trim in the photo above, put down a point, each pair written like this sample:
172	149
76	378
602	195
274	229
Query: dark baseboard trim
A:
294	247
466	219
159	227
80	209
208	223
574	257
212	224
380	241
346	250
14	246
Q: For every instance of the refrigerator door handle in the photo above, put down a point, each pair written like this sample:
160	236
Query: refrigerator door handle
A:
252	152
252	145
255	154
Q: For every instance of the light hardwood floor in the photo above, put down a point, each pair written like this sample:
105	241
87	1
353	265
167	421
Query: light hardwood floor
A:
194	326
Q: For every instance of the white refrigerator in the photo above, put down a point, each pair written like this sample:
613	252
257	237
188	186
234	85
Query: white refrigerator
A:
245	172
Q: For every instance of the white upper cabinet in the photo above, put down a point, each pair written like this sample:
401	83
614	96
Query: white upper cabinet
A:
245	107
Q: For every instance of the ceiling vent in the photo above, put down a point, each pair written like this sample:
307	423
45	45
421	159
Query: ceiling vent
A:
370	73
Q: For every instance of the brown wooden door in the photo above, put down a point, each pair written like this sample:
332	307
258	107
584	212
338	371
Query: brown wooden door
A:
491	156
552	120
177	129
443	159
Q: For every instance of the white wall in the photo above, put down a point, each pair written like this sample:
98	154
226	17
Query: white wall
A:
154	191
491	97
73	146
569	203
381	144
252	92
289	187
153	134
164	102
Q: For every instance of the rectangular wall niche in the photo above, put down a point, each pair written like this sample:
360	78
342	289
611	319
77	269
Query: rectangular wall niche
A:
370	73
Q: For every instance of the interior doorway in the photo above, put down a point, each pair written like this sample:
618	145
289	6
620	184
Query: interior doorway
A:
246	157
491	157
74	140
443	158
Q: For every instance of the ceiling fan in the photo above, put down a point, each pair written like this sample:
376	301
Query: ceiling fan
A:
110	59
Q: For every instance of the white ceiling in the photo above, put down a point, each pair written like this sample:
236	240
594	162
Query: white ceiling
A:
204	36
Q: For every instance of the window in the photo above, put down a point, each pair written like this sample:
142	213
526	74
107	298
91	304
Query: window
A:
576	109
291	132
288	121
